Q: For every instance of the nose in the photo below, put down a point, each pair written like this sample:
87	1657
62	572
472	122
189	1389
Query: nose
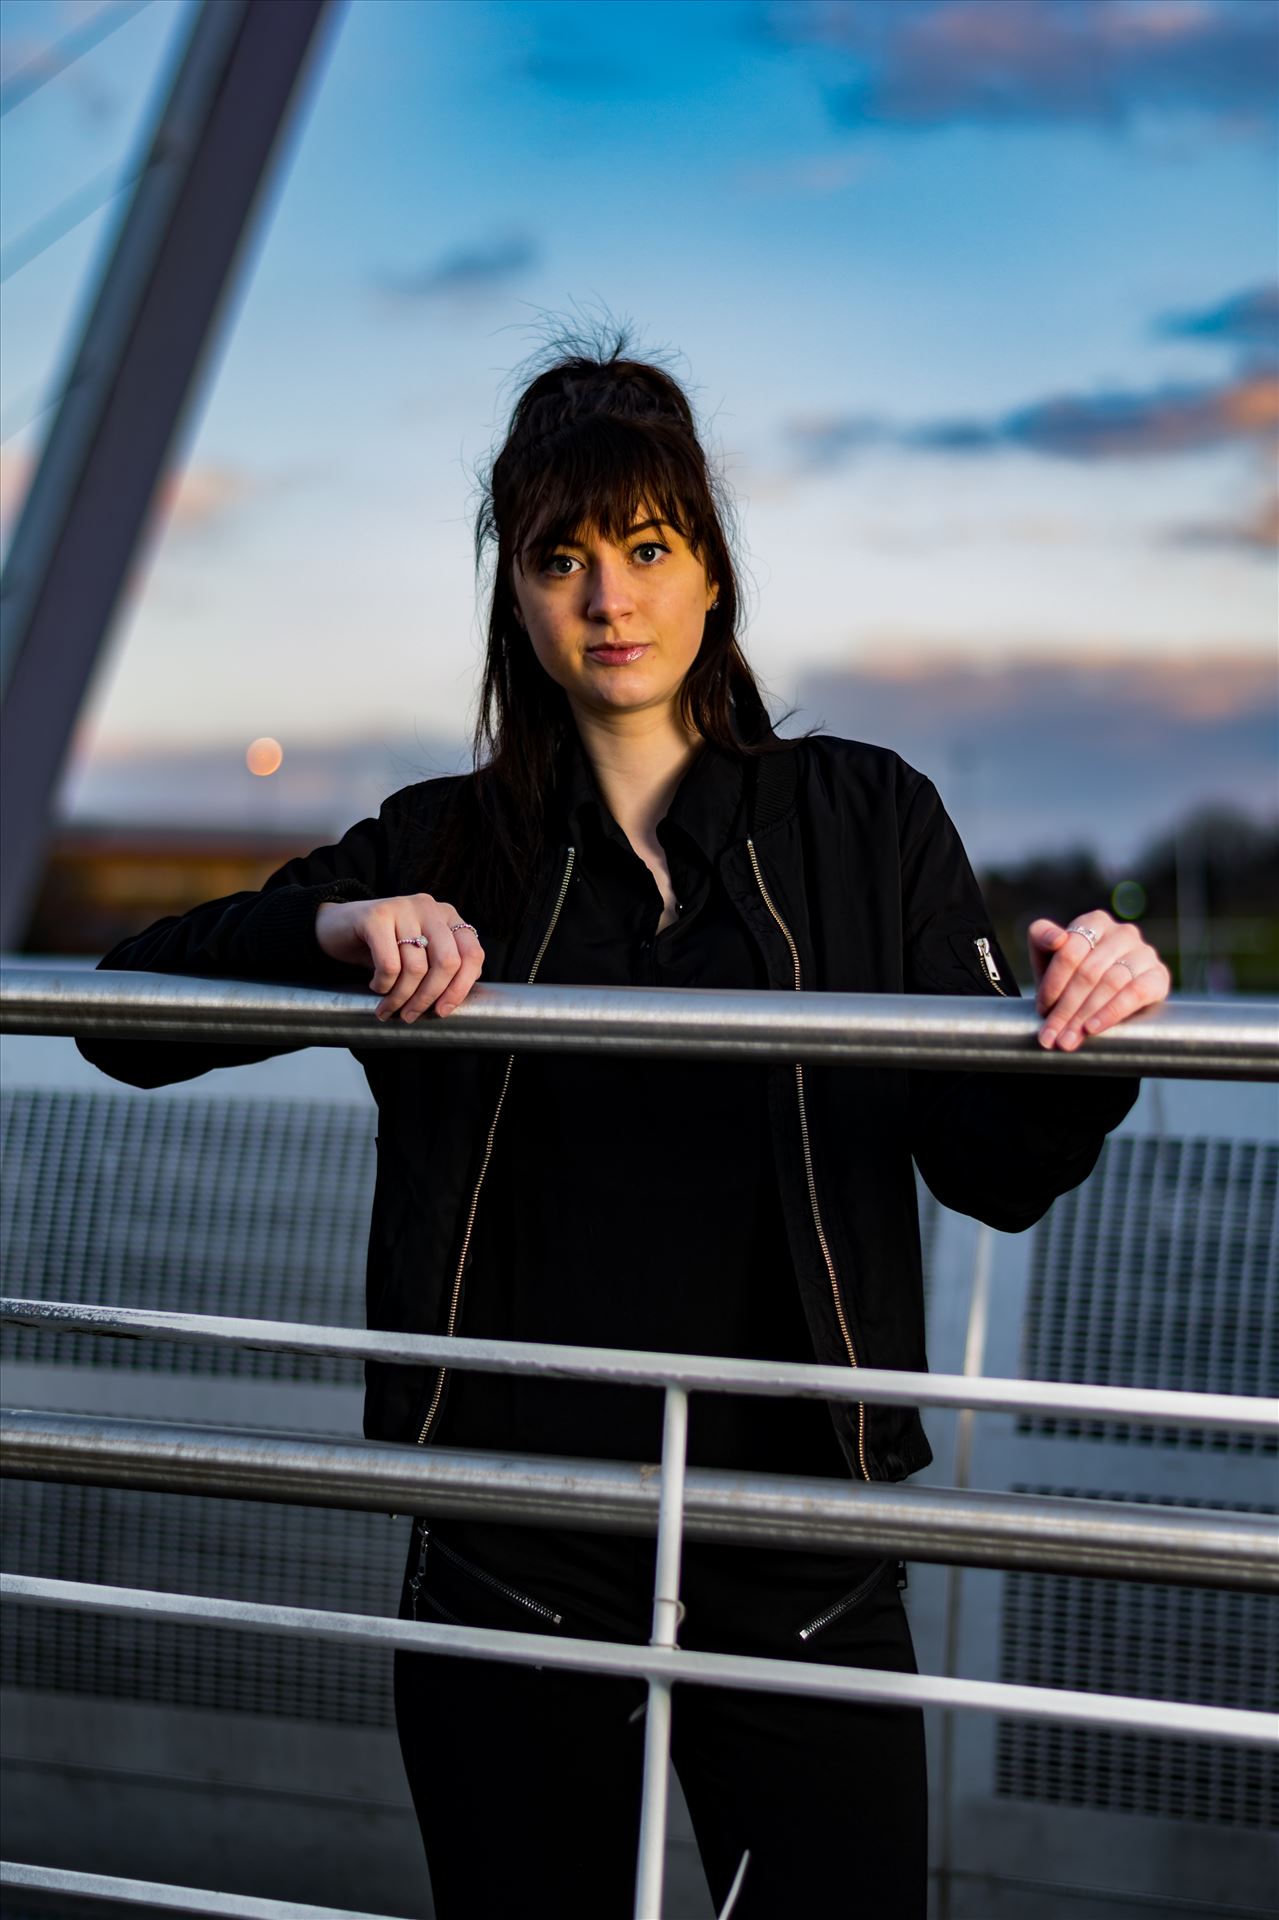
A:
610	595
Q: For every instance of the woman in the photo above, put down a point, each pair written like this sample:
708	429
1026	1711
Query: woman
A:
635	821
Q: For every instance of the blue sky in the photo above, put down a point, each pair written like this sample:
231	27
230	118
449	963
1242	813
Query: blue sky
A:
977	297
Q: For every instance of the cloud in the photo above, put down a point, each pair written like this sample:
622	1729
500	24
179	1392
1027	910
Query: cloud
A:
1101	63
1173	418
1256	531
823	441
1247	323
1029	754
465	272
1055	751
321	787
1165	420
189	501
200	496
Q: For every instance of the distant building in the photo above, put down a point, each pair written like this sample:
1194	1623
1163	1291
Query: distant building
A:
102	883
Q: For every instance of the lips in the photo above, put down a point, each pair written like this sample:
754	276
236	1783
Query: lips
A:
616	656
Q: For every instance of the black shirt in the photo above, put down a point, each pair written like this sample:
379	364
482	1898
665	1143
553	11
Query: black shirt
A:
633	1202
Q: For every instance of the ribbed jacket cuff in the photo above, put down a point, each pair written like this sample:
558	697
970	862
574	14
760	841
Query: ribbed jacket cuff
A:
282	934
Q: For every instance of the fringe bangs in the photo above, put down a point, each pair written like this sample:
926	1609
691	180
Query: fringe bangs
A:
604	473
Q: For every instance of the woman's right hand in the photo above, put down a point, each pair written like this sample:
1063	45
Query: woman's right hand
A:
410	979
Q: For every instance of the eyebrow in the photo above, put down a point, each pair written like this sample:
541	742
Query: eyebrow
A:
640	527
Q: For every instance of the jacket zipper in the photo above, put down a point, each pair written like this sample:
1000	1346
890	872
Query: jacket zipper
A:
849	1600
987	959
478	1573
456	1296
809	1173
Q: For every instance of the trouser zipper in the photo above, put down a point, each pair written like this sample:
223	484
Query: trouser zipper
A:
809	1173
416	1579
845	1604
490	1580
455	1298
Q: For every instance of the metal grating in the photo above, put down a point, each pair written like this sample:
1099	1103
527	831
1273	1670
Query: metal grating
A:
258	1208
1167	1643
229	1206
229	1549
1160	1271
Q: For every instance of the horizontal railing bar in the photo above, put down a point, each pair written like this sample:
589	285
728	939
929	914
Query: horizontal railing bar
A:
112	1890
1217	1039
1095	1538
1237	1725
619	1366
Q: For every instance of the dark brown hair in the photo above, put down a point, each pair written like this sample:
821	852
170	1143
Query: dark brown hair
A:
593	438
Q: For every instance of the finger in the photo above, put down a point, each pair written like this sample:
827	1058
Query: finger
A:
378	931
472	952
444	961
1055	959
1079	960
412	965
1070	1020
446	999
1150	986
1095	980
1117	1006
1126	962
407	964
1044	938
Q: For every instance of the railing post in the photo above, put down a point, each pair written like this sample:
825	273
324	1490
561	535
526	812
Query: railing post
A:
667	1610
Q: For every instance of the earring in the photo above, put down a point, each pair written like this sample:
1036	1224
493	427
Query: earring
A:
713	605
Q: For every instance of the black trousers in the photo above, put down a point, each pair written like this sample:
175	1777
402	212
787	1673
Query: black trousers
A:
526	1781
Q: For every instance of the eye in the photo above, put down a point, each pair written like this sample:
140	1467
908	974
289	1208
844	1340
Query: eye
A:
560	565
649	547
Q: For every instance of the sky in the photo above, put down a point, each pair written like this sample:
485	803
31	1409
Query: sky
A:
978	301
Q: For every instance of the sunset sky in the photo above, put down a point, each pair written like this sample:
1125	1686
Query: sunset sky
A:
978	302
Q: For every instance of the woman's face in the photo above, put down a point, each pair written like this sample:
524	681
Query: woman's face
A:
616	624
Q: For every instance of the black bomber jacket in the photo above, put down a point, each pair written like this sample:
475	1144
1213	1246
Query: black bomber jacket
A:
852	879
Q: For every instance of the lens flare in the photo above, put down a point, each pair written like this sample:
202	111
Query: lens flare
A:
264	756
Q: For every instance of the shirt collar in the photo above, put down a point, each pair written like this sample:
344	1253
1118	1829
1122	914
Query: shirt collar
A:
705	809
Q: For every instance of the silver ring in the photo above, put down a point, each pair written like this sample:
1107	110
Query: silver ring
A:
1127	963
413	940
1089	935
456	926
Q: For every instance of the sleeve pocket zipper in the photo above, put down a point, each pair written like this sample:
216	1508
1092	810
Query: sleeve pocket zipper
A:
988	966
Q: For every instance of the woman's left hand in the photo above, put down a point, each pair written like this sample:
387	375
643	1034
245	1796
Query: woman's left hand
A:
1086	984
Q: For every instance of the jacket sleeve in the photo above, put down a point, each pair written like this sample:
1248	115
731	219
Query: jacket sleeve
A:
268	935
999	1146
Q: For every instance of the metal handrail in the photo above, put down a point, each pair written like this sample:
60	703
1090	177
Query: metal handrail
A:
661	1665
1101	1539
1184	1038
624	1366
155	1894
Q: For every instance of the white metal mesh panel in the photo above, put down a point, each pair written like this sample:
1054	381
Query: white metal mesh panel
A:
1161	1271
1166	1643
295	1556
198	1206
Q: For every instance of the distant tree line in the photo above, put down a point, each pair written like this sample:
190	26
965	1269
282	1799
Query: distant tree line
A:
1206	893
